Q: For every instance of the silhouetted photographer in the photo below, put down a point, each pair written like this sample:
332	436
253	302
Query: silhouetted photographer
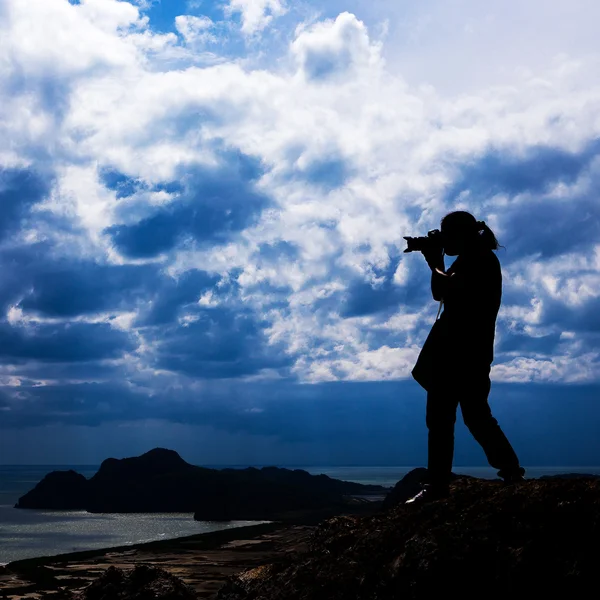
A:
455	361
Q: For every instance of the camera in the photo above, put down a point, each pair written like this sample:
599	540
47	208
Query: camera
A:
432	241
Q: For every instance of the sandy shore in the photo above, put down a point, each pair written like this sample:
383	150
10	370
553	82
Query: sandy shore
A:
203	561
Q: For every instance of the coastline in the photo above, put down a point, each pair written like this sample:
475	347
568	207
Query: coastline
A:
34	533
203	560
209	537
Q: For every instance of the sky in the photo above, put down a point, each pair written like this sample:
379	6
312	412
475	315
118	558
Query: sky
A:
202	211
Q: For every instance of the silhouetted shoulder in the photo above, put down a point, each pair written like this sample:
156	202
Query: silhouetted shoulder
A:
493	258
476	265
492	262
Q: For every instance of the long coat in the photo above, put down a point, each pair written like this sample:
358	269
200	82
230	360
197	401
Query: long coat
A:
460	345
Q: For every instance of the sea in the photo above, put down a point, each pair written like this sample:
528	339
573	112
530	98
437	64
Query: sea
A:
33	533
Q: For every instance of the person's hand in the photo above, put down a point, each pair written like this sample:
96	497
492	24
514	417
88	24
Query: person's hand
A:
434	258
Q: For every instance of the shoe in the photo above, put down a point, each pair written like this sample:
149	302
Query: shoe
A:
429	493
511	477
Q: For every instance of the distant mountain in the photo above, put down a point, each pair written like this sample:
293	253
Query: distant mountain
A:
571	476
161	481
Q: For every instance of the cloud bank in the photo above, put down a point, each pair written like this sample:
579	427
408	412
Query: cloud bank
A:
175	217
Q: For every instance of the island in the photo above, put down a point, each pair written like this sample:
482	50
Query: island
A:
161	481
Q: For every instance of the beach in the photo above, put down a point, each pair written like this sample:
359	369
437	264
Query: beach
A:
202	561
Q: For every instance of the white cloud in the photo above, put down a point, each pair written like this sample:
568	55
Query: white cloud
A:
354	158
257	14
333	49
382	364
195	30
566	369
90	36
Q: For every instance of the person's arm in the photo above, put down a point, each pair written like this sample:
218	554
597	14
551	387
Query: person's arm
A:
440	281
439	278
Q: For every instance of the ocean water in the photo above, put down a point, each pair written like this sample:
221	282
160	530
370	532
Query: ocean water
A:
389	476
31	533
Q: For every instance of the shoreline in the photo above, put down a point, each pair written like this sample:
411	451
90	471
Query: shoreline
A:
304	517
205	561
151	545
185	557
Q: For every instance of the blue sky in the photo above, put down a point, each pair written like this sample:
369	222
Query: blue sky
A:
202	211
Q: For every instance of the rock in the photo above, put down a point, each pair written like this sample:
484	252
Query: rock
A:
141	583
537	539
63	490
161	481
409	485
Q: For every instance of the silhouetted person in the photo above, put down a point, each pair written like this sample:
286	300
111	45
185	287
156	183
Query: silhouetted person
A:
455	361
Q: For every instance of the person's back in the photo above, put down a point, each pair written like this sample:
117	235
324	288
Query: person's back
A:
471	304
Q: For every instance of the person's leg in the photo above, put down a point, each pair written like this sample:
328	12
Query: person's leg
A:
478	418
441	418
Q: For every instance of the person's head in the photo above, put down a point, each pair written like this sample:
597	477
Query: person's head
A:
463	232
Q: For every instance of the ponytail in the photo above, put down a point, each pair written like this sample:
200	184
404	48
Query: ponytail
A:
464	225
487	236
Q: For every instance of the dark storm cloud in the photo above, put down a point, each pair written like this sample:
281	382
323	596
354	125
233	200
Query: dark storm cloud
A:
506	172
372	422
286	410
581	318
526	344
225	342
78	403
120	183
536	224
20	189
551	227
365	298
167	300
60	288
222	343
215	204
337	410
93	370
512	294
60	342
542	227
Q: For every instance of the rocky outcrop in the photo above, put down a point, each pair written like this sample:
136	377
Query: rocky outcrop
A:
538	539
161	481
62	490
410	485
141	583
